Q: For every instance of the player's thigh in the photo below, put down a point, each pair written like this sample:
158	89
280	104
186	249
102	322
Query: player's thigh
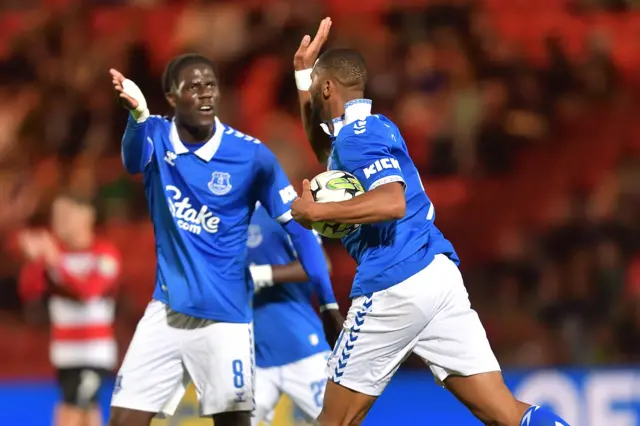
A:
304	382
380	331
220	361
69	380
455	346
267	392
454	342
152	367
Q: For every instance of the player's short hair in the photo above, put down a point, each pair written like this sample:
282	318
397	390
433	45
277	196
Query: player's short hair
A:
177	64
346	65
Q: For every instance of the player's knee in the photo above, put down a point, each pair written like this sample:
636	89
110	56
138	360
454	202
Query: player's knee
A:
326	419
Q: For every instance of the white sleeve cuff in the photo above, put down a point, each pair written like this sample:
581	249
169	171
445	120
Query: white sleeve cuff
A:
329	306
386	180
285	217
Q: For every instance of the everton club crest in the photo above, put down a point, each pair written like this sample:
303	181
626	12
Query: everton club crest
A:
220	183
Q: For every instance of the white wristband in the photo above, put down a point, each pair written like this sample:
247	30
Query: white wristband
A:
141	113
303	79
329	306
262	276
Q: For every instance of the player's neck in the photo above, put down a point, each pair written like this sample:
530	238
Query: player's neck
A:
192	134
80	242
337	109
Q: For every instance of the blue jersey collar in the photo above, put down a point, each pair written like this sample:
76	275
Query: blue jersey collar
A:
206	151
357	109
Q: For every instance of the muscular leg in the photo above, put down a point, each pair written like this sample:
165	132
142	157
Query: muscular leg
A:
455	346
488	398
126	417
344	407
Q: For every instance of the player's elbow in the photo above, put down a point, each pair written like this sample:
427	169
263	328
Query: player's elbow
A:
394	203
131	165
396	208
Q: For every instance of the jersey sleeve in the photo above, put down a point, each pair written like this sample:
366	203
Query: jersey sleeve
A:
137	145
368	157
275	192
32	284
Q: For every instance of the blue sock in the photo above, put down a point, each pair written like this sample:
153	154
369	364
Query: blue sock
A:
538	416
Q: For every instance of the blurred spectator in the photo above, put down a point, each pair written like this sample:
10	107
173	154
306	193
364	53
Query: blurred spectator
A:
77	275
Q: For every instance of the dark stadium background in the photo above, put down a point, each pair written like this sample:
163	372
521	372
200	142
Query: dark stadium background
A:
521	115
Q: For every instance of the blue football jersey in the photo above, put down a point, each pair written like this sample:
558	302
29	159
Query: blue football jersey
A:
200	203
286	327
372	148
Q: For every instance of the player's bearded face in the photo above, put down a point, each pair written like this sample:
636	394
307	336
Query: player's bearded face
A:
196	97
318	101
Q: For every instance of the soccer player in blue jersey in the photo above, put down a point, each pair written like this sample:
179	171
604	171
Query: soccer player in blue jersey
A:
291	349
202	180
408	294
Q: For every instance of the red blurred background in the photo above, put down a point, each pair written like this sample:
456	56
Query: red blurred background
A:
521	115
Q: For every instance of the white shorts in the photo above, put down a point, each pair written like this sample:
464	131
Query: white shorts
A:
428	314
303	381
170	349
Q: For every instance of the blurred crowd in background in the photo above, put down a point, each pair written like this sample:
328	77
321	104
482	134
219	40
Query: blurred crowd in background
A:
522	117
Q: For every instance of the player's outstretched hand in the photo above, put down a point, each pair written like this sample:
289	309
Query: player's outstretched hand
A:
30	245
118	81
303	207
309	49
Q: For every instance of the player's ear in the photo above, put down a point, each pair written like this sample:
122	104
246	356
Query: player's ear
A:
171	99
327	89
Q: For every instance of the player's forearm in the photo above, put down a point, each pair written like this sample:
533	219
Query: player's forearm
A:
136	150
313	261
384	203
293	272
318	140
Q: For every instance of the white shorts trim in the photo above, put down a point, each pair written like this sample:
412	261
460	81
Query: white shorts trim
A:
428	314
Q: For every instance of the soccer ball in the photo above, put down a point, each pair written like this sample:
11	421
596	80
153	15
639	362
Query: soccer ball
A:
332	186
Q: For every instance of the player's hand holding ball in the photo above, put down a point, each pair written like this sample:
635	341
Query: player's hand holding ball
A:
130	96
331	186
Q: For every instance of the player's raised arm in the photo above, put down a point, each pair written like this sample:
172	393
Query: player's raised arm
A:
379	173
137	148
303	62
276	195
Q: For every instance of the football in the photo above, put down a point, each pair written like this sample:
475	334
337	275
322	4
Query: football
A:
332	186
